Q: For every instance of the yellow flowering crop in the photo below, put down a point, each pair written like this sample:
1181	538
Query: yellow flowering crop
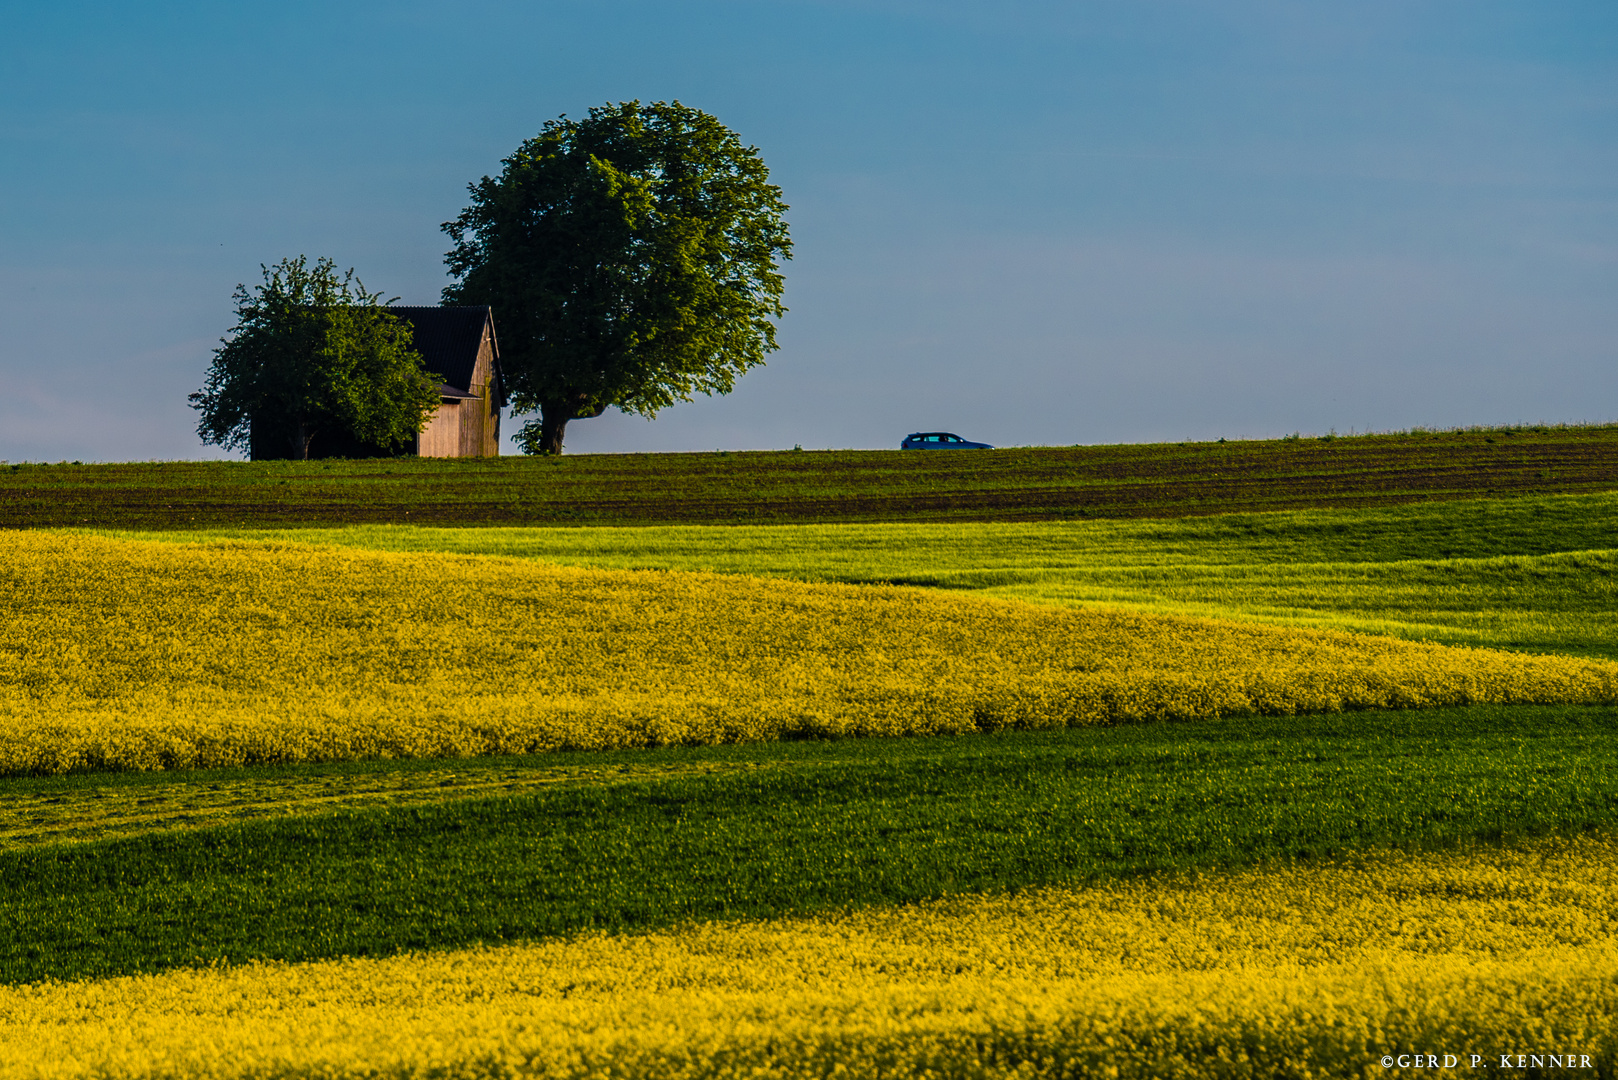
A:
1309	971
130	655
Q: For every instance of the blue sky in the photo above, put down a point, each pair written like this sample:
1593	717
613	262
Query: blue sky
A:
1044	223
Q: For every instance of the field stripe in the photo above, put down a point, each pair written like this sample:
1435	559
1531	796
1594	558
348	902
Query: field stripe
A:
1305	970
1533	574
129	655
828	825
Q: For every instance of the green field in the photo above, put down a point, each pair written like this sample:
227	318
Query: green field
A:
1015	484
822	825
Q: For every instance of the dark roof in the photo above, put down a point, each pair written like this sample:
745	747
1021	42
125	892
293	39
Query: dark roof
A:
448	340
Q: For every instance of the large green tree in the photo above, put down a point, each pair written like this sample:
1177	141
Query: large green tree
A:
632	259
313	353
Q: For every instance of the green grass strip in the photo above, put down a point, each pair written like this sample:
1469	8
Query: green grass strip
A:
934	553
829	825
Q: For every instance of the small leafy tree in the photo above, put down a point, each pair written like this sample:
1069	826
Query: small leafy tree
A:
632	260
312	352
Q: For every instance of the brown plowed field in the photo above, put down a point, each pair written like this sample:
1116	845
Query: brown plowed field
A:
1154	480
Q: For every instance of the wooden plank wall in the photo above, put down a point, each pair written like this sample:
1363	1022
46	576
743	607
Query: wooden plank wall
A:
442	435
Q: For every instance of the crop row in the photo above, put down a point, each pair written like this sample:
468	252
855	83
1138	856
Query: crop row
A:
1304	970
129	655
1020	484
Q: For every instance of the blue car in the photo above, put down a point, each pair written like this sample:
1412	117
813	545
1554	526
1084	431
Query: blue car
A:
940	440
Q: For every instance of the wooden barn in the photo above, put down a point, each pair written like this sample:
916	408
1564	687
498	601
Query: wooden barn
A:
457	343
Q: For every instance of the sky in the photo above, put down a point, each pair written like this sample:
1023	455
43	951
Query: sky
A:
1030	223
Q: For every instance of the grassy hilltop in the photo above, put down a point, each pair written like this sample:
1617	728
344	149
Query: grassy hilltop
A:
1016	484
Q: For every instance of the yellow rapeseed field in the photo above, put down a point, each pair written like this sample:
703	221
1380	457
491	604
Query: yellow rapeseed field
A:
1314	971
118	654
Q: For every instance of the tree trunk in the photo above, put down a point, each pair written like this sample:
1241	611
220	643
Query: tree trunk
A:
300	437
553	418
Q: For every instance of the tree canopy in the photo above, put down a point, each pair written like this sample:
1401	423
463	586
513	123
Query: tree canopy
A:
313	353
632	258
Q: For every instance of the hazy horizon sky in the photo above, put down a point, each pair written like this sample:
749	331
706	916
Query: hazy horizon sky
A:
1026	222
